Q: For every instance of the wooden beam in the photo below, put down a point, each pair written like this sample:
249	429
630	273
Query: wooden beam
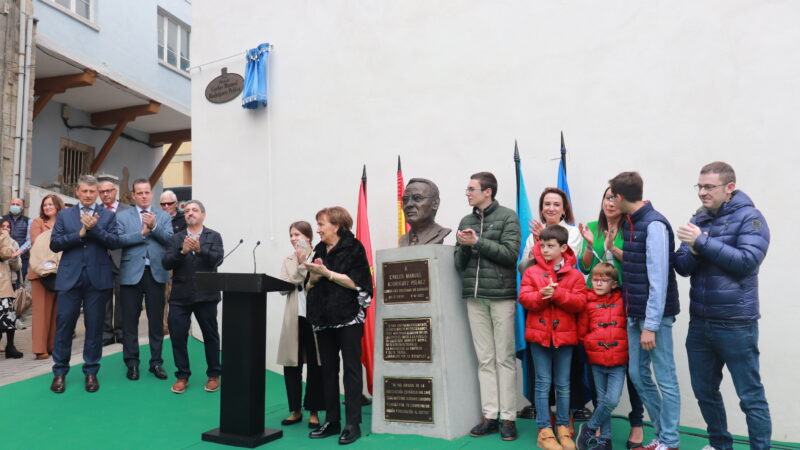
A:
168	137
62	83
129	113
41	102
112	139
162	165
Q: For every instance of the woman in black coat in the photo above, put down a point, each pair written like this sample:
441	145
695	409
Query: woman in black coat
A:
339	290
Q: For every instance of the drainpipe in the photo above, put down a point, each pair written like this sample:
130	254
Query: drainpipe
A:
20	94
23	140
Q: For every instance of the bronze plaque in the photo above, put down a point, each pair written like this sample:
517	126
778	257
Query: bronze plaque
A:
225	87
406	281
407	340
408	399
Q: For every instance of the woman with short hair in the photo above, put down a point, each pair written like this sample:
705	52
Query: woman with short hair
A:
339	291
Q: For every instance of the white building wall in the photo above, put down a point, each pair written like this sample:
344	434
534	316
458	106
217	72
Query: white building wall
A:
658	87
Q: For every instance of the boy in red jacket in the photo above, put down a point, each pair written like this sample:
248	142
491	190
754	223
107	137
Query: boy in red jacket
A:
553	292
602	329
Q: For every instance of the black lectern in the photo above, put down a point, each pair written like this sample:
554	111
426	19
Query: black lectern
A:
244	317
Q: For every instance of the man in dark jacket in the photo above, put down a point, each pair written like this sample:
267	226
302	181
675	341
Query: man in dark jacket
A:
196	249
722	248
651	298
20	232
488	242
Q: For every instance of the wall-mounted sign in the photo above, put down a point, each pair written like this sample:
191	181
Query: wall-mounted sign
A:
225	87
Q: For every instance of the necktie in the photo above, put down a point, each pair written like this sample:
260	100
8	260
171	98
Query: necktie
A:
86	210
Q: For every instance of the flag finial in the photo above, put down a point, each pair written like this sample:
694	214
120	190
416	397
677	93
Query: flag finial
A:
516	151
563	147
398	163
364	174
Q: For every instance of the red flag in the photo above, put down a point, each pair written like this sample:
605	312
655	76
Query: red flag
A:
402	226
362	234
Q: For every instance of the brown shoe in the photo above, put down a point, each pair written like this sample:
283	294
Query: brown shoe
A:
180	386
58	385
547	440
91	383
212	384
42	356
565	438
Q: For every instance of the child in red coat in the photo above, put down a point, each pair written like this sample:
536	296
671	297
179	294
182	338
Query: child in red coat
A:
553	292
603	331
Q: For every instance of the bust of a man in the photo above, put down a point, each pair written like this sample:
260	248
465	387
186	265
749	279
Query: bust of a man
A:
420	203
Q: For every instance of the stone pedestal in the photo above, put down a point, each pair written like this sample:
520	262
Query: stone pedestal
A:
426	372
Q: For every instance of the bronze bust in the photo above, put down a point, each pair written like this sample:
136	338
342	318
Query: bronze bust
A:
420	203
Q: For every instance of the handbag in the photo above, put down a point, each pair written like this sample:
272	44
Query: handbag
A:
22	299
43	261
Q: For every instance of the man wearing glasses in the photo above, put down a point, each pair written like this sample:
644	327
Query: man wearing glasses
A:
722	248
112	325
169	203
488	242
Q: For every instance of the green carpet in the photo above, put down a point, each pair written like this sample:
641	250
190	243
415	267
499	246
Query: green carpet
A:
146	415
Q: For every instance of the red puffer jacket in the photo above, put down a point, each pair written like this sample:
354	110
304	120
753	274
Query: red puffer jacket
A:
603	330
552	321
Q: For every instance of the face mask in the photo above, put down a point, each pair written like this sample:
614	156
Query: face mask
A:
15	210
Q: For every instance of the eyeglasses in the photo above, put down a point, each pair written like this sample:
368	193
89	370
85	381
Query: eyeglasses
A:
167	203
601	280
610	198
470	190
107	191
416	198
707	187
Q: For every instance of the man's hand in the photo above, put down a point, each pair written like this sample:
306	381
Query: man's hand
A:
89	220
149	219
467	237
145	229
187	245
648	340
689	233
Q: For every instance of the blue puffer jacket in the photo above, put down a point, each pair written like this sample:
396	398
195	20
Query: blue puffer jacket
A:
724	272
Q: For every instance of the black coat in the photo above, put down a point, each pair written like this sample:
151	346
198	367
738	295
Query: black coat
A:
178	223
184	267
328	303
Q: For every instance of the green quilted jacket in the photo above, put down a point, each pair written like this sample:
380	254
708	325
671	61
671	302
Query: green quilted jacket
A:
488	268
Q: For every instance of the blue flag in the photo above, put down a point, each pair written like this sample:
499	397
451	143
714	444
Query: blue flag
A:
562	171
524	214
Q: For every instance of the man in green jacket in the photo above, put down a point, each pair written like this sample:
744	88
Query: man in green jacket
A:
488	242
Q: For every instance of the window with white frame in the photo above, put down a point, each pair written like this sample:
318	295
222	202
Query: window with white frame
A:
173	42
82	8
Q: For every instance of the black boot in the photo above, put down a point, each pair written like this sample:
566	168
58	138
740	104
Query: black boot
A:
11	351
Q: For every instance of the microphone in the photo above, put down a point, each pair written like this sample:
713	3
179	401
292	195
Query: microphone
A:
254	255
229	254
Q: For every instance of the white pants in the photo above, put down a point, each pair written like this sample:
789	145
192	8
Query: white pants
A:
492	326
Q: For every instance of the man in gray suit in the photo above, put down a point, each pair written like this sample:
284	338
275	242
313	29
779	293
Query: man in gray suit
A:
112	325
144	233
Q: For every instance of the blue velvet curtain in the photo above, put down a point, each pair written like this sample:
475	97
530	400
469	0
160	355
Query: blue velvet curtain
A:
255	77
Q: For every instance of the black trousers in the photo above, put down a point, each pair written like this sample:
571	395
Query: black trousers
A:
346	340
112	325
131	299
293	376
179	322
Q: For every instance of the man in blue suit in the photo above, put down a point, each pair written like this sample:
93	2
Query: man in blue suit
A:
84	233
144	232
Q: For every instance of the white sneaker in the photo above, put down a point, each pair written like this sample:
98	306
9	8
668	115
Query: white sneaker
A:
708	447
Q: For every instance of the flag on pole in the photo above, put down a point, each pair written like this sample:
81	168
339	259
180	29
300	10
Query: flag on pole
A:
562	171
524	214
402	226
362	234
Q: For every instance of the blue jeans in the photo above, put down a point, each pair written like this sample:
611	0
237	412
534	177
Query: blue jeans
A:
712	345
663	402
609	382
552	365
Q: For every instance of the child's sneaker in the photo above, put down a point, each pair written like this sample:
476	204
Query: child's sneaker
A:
565	437
586	439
